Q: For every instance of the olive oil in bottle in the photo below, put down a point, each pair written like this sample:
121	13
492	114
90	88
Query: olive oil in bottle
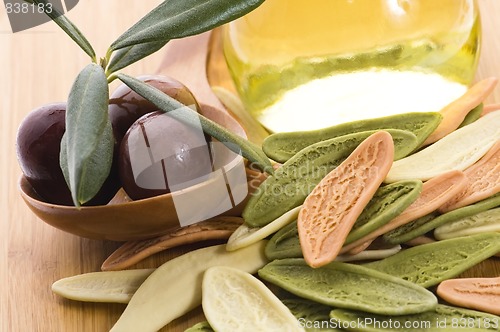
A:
301	65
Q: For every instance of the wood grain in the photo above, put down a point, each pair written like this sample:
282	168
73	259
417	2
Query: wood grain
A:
38	67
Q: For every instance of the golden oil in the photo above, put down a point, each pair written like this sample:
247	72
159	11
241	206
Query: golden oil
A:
302	65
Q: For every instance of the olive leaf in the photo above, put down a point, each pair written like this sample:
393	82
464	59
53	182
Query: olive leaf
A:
68	27
166	103
87	145
181	18
128	55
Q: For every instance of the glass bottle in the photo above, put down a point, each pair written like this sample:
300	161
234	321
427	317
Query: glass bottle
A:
301	65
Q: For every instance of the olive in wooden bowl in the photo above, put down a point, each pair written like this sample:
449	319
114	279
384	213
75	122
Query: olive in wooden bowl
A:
123	219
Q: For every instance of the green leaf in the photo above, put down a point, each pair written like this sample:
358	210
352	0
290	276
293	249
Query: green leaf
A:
181	18
87	147
68	27
128	55
166	103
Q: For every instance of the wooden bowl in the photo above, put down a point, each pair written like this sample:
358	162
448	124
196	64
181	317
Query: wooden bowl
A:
123	219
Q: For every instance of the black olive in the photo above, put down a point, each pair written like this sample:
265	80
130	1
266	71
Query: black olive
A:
38	145
126	106
160	154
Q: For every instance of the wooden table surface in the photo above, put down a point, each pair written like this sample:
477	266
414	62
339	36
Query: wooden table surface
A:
37	67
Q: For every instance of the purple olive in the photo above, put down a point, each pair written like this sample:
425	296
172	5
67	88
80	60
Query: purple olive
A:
38	145
160	154
126	106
